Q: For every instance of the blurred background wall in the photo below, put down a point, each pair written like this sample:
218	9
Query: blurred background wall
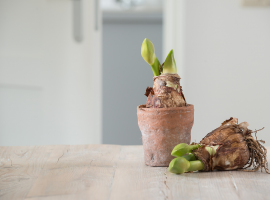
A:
69	77
223	54
125	74
50	72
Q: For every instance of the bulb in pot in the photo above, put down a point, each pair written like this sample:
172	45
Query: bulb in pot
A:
166	91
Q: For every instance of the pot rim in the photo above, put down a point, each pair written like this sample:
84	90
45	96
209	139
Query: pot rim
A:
143	107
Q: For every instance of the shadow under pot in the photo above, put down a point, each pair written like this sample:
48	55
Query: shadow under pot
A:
162	129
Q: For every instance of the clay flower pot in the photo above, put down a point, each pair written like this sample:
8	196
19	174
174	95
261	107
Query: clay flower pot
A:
162	129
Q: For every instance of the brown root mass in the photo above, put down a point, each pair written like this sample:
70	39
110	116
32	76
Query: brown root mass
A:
237	148
258	154
166	92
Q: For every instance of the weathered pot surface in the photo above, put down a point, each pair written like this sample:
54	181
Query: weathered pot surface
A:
162	129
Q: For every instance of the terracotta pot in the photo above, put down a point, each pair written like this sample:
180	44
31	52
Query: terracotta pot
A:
162	129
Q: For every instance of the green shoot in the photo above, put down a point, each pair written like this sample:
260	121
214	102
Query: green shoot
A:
212	149
195	165
181	165
169	66
189	157
148	54
183	148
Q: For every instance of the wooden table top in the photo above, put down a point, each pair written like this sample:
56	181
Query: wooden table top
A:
114	172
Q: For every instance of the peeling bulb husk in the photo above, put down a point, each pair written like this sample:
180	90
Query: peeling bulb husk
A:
170	84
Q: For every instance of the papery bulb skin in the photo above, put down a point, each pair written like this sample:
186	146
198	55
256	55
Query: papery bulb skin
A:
232	152
166	92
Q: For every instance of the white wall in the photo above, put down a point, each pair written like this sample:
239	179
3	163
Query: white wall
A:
226	63
50	84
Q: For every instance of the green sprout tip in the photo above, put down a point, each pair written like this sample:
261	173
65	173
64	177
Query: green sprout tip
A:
189	157
183	148
148	54
212	149
169	66
181	165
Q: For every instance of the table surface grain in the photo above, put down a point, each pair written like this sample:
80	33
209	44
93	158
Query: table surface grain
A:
114	172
